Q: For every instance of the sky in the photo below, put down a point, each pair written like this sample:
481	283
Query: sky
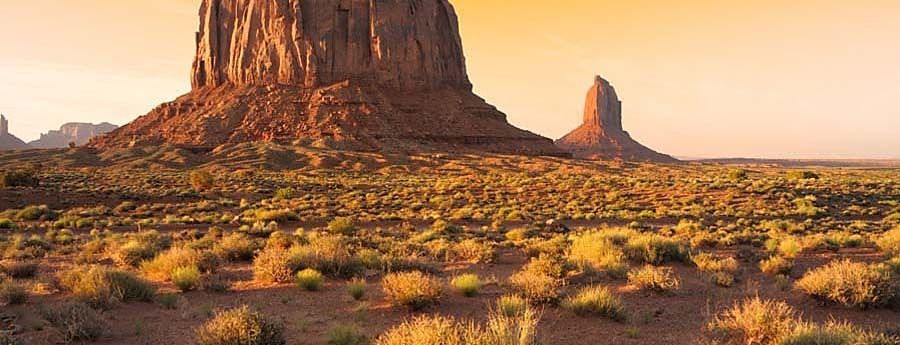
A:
698	78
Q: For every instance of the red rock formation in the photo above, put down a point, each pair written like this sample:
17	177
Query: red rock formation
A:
7	140
361	74
601	136
73	132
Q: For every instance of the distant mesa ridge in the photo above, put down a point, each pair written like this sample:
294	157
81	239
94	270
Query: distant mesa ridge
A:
601	135
356	74
7	140
78	133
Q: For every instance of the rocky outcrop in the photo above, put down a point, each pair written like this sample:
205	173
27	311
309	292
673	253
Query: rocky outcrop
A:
7	140
358	74
74	132
602	136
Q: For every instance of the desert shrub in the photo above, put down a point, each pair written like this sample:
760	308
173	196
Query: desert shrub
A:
467	284
12	293
285	193
473	251
139	247
777	265
357	288
274	265
754	322
342	225
162	266
9	339
310	279
240	326
265	216
536	286
36	213
414	290
594	252
186	278
6	223
235	247
889	242
659	279
833	333
851	284
19	269
18	178
802	175
789	247
596	300
201	180
76	321
511	305
346	335
168	301
499	330
720	271
655	249
329	254
102	287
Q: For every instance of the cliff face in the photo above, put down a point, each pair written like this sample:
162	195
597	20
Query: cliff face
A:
359	74
602	136
78	133
400	43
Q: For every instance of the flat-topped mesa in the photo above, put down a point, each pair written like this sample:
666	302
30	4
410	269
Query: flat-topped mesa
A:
369	75
602	135
399	43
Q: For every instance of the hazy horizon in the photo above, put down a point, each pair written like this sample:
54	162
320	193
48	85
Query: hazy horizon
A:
763	79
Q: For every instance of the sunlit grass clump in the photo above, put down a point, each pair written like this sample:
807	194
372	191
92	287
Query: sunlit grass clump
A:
597	300
500	329
415	290
240	326
852	284
467	284
310	280
658	279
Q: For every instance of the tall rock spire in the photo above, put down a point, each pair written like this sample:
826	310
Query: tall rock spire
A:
601	135
4	125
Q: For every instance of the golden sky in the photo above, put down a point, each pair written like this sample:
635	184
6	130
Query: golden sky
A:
763	78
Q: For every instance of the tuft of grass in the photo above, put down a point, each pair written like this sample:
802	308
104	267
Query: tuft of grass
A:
103	287
539	281
777	265
467	284
889	242
168	301
163	265
357	289
720	271
415	290
658	279
595	252
473	251
597	300
342	225
851	284
76	321
240	326
499	330
656	249
833	333
235	247
346	335
511	305
310	279
186	278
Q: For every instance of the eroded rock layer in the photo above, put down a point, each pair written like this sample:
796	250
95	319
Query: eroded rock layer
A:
602	136
76	133
359	74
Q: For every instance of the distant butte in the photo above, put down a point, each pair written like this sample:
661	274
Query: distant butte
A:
356	74
602	136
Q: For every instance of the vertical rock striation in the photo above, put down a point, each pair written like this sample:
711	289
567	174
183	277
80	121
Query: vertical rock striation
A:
359	74
602	136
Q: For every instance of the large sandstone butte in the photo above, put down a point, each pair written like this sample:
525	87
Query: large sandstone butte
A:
601	136
359	74
77	133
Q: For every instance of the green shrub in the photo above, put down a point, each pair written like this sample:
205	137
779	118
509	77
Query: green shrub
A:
659	279
754	321
594	252
168	301
36	213
12	293
19	178
139	247
76	322
6	223
162	266
342	225
467	284
596	300
240	326
102	287
346	335
851	284
186	278
285	193
777	265
329	254
511	305
655	249
310	279
235	247
414	290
